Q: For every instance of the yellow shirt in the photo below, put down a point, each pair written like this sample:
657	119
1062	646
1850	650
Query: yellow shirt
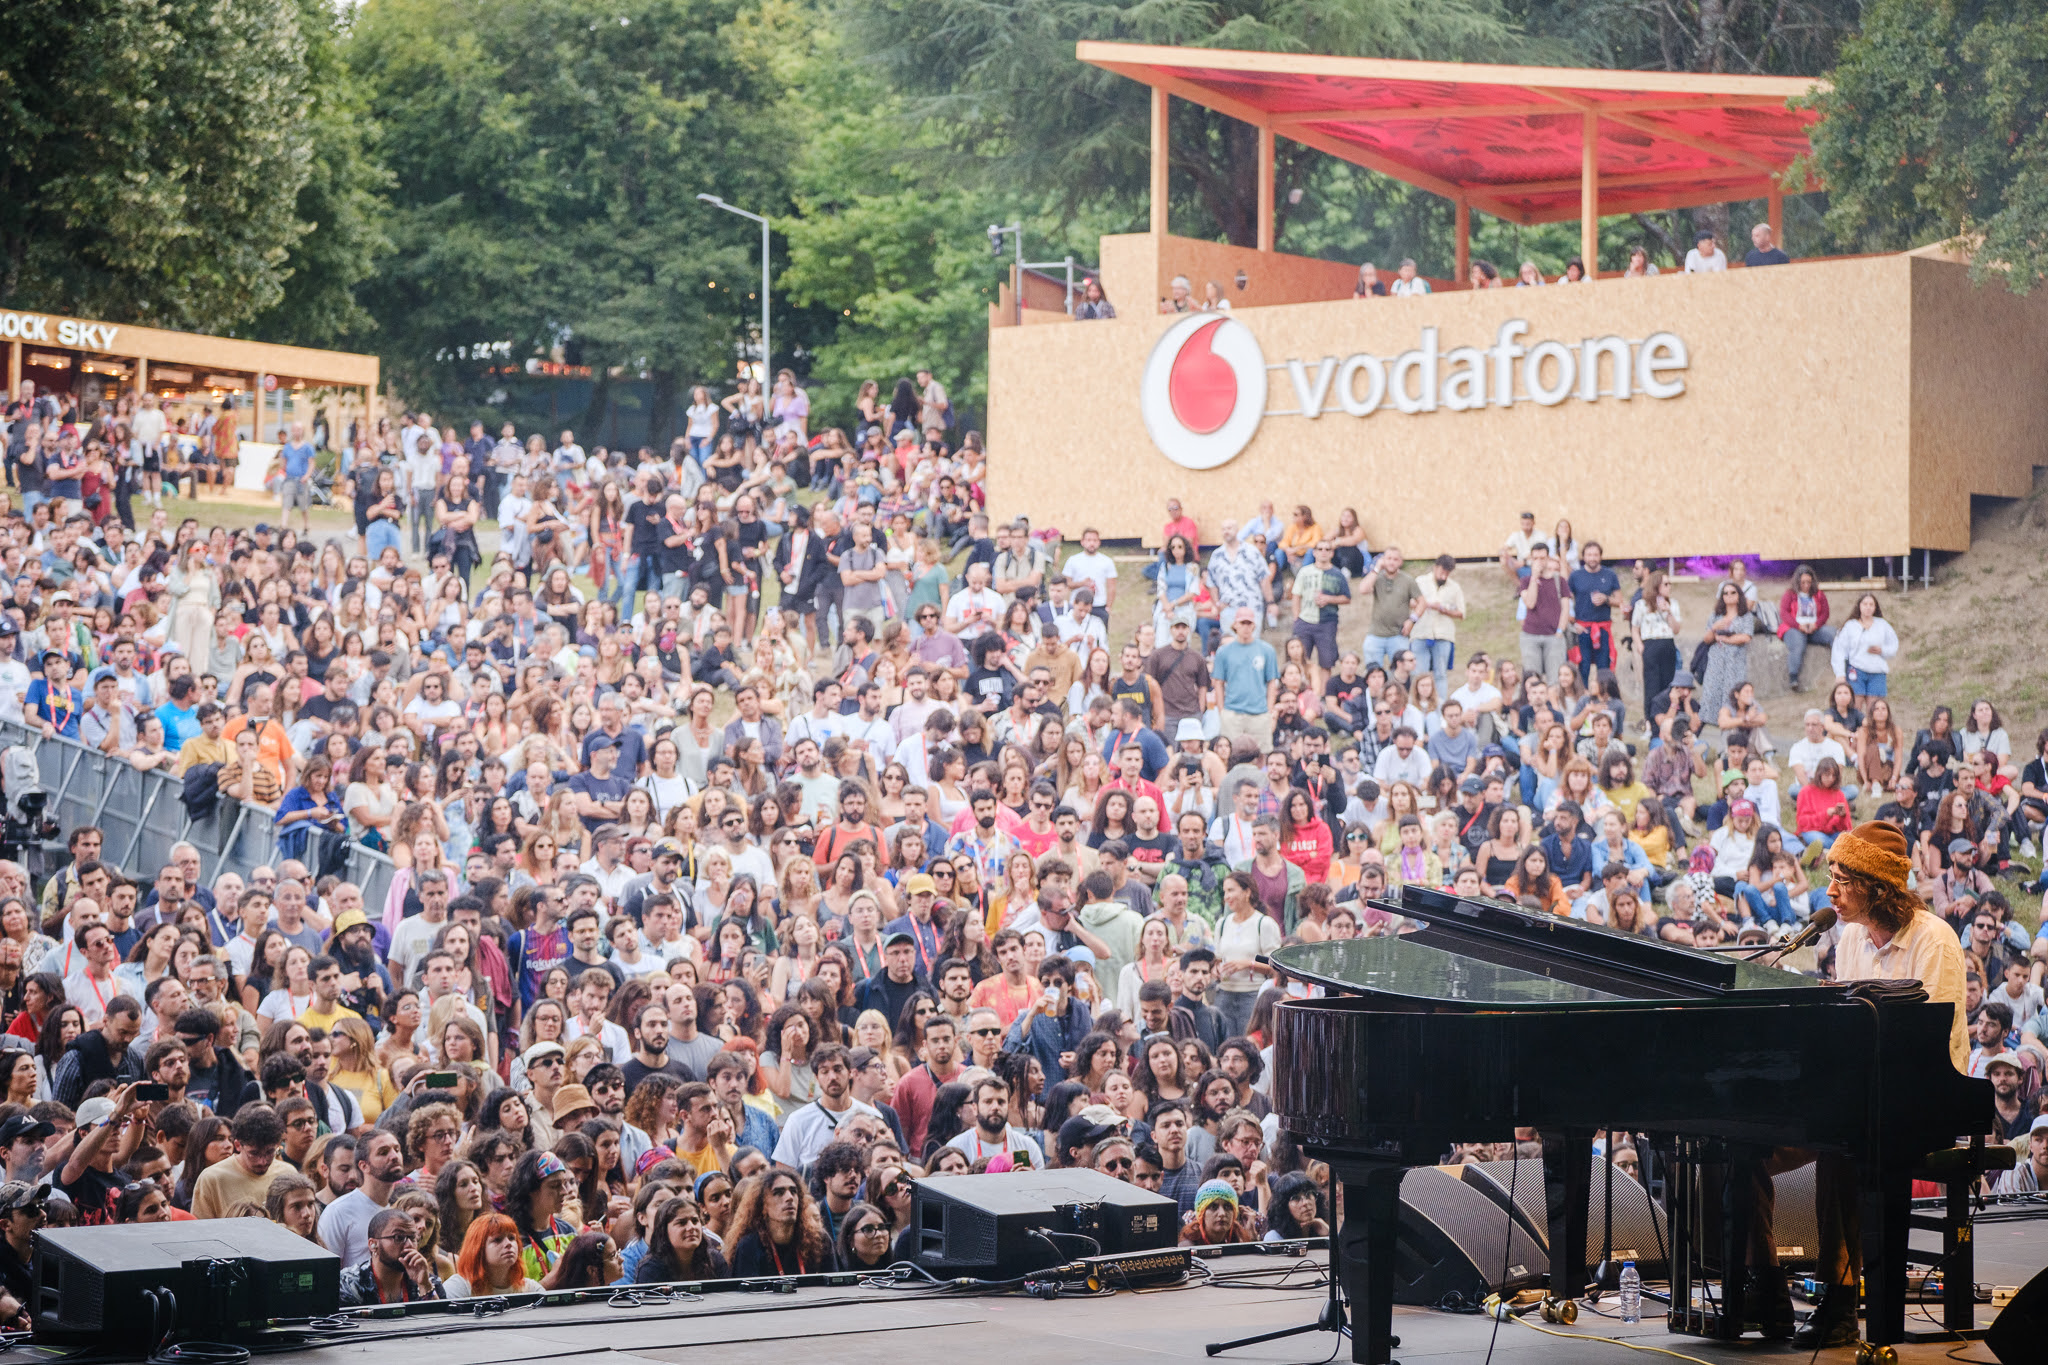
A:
315	1018
199	749
375	1092
1927	951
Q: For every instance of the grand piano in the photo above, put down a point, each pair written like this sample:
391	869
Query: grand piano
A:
1486	1018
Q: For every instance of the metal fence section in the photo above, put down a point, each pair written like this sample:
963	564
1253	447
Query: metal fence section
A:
143	814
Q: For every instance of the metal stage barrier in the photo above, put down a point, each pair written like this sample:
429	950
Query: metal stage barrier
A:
143	815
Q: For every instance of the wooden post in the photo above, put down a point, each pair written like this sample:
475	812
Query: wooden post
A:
1777	210
1159	162
1462	234
256	406
1589	194
141	376
13	369
1266	233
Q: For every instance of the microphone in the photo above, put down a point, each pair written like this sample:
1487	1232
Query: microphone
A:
1817	924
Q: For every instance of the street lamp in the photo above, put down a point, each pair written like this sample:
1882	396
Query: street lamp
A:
718	203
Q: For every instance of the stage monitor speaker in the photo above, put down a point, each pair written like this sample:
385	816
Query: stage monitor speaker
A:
2019	1334
1454	1239
1640	1231
230	1276
989	1225
1794	1222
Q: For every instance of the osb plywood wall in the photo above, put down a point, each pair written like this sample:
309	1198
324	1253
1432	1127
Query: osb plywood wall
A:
1832	409
1137	270
1980	373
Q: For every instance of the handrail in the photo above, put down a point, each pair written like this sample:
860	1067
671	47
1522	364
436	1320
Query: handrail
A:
143	816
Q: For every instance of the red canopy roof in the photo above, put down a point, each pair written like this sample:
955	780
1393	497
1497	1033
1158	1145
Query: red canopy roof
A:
1507	139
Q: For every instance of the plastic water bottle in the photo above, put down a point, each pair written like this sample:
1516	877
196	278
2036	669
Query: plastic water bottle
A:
1631	1293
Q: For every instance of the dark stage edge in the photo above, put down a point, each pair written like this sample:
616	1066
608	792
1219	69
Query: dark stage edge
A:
894	1327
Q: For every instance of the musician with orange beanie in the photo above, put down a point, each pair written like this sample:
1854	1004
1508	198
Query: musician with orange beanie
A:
1887	934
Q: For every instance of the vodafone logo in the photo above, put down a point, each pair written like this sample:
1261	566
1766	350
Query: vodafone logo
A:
1204	390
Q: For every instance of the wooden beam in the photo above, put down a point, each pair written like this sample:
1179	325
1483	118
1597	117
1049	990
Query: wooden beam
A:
1589	194
1266	225
13	370
1425	113
1149	58
142	375
1160	152
1337	147
1776	201
1614	205
1698	144
1675	178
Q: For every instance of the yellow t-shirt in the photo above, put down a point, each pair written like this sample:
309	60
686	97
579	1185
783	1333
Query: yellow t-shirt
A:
225	1184
314	1018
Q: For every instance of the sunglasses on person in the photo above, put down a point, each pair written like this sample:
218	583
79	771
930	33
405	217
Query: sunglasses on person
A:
985	1033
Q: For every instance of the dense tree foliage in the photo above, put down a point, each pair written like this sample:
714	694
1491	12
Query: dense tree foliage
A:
152	154
1937	128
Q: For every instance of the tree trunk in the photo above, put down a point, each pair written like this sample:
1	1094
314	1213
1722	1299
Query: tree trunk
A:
593	419
661	411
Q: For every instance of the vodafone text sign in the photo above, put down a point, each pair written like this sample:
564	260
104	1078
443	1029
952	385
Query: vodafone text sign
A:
1205	386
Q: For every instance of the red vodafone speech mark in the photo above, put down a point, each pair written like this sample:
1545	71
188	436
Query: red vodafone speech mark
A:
1201	386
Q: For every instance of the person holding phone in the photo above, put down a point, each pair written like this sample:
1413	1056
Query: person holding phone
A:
993	1134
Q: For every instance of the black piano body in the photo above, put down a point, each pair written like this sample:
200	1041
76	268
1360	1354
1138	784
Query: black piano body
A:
1488	1018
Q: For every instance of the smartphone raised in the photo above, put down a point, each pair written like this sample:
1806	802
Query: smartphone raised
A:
440	1080
148	1091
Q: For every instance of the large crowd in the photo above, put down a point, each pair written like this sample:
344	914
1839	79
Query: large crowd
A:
771	830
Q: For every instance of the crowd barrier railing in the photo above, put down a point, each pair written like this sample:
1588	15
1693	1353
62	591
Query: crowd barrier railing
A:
143	815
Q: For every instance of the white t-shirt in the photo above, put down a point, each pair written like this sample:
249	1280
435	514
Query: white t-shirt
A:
1093	569
1014	1140
1473	698
436	714
1806	754
511	512
611	1035
703	419
409	943
148	426
1696	264
988	601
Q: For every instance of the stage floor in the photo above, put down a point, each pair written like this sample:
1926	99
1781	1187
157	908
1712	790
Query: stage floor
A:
864	1326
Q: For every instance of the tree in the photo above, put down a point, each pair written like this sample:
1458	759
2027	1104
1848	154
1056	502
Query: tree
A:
340	204
1002	85
545	161
151	157
1937	128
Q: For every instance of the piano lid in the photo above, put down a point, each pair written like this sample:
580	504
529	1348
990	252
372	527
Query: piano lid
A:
1606	963
1402	968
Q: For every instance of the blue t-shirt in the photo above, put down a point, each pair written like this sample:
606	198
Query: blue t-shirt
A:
1244	670
613	788
1584	583
61	710
179	724
298	458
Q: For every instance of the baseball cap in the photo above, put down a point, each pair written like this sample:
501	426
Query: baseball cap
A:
101	674
2006	1058
1959	846
920	882
1742	808
24	1126
1729	777
1082	1131
650	1157
600	740
900	936
1079	953
1683	678
1472	785
9	626
2040	1125
1103	1114
670	848
99	1109
16	1194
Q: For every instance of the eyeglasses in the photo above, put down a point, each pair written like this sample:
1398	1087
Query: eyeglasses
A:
876	1228
308	1121
399	1238
1118	1163
985	1032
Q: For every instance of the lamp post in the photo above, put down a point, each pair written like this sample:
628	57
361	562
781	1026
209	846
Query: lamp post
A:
718	203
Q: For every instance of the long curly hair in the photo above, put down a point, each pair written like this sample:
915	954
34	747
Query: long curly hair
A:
750	1214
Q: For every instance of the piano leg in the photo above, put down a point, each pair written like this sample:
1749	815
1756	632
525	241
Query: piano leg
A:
1738	1209
1567	1191
1372	1219
1886	1217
